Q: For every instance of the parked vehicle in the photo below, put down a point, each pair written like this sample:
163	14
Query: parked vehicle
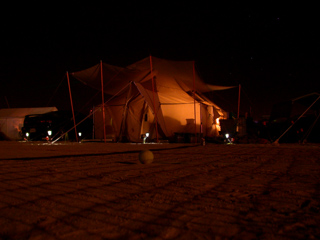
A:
51	125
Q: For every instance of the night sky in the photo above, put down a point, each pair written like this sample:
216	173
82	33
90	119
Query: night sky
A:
272	51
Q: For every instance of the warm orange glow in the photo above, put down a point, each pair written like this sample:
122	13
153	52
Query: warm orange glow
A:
218	127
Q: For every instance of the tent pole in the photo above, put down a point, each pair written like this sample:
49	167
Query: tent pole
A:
201	123
93	119
154	101
74	120
103	110
194	103
238	115
277	141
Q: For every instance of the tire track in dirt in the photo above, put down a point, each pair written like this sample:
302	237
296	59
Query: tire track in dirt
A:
270	178
200	195
281	213
293	200
89	154
223	199
152	189
172	215
141	204
137	195
75	191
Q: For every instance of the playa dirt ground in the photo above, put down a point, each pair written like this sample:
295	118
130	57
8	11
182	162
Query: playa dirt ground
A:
102	191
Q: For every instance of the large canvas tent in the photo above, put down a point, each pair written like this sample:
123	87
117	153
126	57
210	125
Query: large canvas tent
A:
158	96
11	120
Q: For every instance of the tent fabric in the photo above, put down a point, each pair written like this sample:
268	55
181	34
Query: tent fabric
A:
169	95
11	120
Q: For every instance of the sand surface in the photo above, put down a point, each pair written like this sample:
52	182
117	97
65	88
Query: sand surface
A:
102	191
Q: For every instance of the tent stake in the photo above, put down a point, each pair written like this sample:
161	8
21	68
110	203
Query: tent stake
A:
103	110
74	120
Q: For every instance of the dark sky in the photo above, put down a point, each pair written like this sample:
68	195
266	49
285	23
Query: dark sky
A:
272	51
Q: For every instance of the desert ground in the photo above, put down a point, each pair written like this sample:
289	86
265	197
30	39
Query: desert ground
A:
101	191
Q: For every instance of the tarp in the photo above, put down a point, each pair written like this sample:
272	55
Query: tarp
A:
142	97
11	120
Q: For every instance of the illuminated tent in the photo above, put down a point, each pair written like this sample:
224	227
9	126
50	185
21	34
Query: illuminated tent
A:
161	97
11	120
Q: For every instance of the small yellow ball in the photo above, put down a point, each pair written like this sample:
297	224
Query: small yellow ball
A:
146	157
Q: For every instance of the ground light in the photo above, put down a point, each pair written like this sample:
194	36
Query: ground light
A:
228	140
49	135
145	136
79	135
27	136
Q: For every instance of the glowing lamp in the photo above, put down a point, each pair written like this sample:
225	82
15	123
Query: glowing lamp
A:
27	134
79	133
227	135
49	132
145	136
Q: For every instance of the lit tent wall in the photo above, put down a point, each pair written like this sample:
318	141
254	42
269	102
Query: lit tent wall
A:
164	100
